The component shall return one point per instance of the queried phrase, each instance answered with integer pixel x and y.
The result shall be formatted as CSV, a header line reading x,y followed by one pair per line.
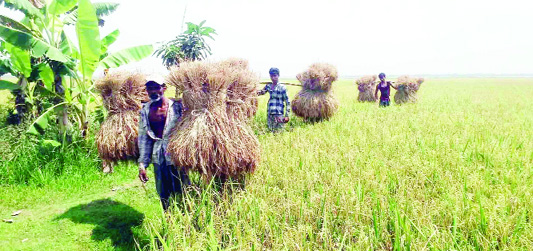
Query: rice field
x,y
452,172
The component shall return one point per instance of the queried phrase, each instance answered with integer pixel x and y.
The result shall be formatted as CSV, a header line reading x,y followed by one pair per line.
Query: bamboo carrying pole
x,y
266,83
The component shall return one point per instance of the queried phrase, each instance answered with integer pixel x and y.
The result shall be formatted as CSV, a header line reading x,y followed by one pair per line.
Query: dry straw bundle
x,y
117,138
319,76
242,92
407,89
122,94
122,91
238,63
206,140
366,86
315,100
314,104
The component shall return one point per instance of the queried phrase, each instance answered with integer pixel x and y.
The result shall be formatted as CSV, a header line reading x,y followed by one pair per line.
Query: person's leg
x,y
274,125
280,125
107,166
162,181
177,181
270,122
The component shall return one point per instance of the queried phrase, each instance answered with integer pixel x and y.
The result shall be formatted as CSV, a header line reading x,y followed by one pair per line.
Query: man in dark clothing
x,y
384,87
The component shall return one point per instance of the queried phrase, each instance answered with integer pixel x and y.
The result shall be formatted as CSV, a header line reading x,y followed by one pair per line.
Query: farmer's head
x,y
382,76
274,74
155,87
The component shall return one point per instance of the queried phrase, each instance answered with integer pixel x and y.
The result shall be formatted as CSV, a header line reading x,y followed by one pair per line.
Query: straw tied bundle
x,y
242,92
366,86
208,139
315,100
242,100
407,89
122,94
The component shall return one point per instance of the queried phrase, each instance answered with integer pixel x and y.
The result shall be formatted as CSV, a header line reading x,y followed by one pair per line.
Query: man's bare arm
x,y
393,86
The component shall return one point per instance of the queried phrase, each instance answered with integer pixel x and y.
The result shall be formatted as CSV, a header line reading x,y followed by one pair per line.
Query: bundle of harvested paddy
x,y
319,76
242,100
122,91
122,94
315,100
238,63
117,137
366,86
407,89
206,140
312,104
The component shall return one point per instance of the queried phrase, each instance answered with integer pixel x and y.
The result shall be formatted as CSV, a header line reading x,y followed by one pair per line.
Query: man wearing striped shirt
x,y
158,118
278,102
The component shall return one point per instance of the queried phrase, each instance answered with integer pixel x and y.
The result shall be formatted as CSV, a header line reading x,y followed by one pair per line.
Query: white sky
x,y
359,37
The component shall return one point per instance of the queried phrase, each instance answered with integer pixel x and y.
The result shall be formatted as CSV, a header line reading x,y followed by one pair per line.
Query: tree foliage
x,y
37,51
191,45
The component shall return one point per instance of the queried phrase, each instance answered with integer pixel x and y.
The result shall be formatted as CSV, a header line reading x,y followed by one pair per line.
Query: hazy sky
x,y
359,37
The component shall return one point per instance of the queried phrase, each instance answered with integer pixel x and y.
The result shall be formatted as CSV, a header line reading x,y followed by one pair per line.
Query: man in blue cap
x,y
278,102
158,117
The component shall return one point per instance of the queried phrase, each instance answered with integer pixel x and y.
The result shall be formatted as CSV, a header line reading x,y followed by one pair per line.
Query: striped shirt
x,y
278,100
152,148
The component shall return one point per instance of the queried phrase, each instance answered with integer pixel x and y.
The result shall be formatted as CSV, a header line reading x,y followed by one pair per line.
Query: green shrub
x,y
31,160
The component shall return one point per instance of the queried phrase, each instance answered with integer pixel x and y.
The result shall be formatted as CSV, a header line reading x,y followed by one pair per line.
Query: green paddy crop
x,y
451,172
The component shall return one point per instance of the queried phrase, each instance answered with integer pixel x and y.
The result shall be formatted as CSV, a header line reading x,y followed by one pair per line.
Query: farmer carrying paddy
x,y
158,117
384,87
279,101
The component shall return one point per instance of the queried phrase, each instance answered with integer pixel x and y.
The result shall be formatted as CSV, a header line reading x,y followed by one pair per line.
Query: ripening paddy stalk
x,y
453,171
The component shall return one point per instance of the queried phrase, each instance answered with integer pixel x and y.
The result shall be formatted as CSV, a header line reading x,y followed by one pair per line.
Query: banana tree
x,y
20,68
102,9
41,33
38,34
92,54
18,63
